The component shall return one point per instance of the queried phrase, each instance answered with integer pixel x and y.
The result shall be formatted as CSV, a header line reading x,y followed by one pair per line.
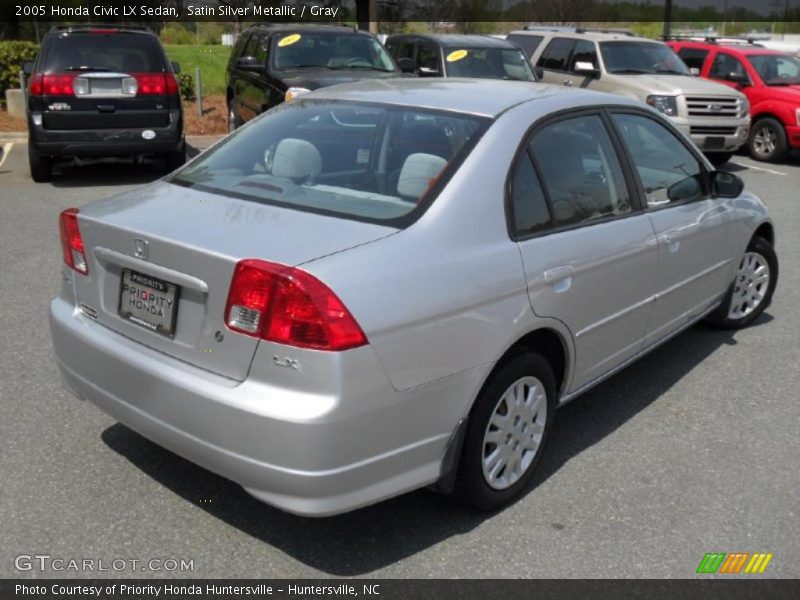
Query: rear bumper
x,y
312,453
106,142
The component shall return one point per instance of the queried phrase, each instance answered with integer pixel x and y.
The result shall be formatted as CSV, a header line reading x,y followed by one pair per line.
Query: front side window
x,y
693,57
633,58
556,54
361,161
309,50
489,63
584,52
727,68
669,172
428,60
580,171
777,69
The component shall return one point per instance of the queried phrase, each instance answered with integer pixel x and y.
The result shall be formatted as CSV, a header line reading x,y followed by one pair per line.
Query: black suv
x,y
454,55
273,63
97,91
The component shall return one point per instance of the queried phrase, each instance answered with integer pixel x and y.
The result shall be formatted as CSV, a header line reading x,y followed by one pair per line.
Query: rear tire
x,y
175,160
752,288
767,141
233,122
41,166
507,432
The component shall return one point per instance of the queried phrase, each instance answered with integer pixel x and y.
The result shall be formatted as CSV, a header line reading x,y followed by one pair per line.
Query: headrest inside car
x,y
296,160
417,173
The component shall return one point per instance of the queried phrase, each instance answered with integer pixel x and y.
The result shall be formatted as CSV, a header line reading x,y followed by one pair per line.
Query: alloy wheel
x,y
764,141
514,433
750,286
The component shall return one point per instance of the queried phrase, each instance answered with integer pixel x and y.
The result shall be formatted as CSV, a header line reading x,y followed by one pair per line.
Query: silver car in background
x,y
394,284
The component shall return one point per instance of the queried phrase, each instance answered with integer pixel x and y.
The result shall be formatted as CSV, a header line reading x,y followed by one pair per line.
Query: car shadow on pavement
x,y
377,536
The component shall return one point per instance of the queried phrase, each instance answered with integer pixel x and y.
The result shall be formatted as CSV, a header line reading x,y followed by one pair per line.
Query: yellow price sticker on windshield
x,y
456,55
289,40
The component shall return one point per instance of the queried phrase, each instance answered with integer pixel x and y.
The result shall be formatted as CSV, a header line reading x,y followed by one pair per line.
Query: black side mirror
x,y
685,189
249,63
726,185
27,68
406,65
176,67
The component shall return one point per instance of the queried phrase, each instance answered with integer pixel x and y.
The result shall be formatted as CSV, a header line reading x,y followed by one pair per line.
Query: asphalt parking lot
x,y
694,449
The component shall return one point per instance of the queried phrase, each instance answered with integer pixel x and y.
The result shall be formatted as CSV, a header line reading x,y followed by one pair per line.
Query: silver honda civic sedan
x,y
394,284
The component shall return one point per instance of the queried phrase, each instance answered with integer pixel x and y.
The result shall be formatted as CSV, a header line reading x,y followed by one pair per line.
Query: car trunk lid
x,y
178,248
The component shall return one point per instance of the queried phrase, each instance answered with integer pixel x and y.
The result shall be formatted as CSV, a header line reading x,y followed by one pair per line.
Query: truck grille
x,y
712,107
711,130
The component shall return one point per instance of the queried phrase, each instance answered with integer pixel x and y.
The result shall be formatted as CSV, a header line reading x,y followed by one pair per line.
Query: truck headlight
x,y
294,92
744,107
666,104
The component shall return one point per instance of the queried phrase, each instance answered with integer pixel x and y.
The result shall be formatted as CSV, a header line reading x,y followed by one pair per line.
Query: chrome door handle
x,y
568,83
553,276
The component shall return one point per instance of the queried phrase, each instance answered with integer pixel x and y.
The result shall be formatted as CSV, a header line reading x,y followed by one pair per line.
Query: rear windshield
x,y
488,63
330,51
116,52
641,57
367,162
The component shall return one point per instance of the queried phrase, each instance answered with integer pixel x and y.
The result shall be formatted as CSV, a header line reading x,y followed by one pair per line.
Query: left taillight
x,y
72,242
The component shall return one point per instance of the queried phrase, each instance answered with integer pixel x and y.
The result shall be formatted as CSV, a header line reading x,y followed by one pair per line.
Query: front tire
x,y
507,431
752,288
41,166
767,141
233,121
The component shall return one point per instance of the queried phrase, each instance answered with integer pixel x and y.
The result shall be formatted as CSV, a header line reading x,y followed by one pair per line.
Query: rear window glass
x,y
488,63
117,52
367,162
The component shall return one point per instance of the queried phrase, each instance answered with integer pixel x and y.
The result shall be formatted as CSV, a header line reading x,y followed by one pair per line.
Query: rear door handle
x,y
568,83
557,274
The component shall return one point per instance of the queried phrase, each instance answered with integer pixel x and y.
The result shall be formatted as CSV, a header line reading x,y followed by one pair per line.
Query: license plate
x,y
714,142
148,302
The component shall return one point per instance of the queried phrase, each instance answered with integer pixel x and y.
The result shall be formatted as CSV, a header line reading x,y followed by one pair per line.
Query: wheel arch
x,y
766,231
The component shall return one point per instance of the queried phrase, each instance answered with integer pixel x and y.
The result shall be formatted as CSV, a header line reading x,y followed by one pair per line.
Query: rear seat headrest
x,y
417,173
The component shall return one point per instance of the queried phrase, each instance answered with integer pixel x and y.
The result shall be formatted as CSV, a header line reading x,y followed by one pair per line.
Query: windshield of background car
x,y
777,69
641,57
488,63
362,161
117,52
309,50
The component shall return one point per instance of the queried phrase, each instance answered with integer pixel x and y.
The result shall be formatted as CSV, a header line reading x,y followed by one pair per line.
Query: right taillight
x,y
289,306
72,242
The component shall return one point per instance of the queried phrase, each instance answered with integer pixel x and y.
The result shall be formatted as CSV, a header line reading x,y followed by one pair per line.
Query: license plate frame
x,y
714,142
149,302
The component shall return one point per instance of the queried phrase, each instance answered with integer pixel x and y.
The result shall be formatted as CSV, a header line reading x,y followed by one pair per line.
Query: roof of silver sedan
x,y
486,97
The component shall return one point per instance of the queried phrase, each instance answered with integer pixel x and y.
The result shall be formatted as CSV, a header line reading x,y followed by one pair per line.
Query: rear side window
x,y
528,43
556,54
531,214
115,52
580,170
693,57
368,162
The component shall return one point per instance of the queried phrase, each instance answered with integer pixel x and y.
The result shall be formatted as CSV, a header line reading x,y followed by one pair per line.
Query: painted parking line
x,y
6,151
749,165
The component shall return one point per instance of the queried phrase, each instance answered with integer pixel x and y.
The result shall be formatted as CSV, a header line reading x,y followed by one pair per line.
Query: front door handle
x,y
568,83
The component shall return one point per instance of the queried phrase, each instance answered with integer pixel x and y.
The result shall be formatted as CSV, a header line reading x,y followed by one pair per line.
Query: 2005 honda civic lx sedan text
x,y
393,284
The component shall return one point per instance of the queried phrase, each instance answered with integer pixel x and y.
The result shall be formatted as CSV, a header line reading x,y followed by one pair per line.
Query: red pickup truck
x,y
771,81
